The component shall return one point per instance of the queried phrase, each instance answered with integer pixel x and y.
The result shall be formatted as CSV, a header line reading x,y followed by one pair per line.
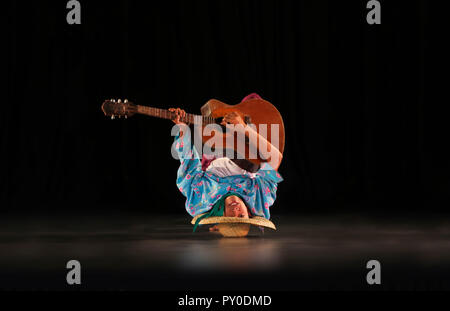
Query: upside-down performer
x,y
221,193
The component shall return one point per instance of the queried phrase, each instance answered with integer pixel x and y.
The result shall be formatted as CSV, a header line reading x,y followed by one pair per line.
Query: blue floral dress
x,y
203,189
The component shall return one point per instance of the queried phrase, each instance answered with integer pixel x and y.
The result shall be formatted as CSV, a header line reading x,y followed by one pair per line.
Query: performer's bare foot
x,y
214,228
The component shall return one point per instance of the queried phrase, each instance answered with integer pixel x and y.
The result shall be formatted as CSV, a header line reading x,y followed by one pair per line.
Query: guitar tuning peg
x,y
119,101
126,117
125,101
112,117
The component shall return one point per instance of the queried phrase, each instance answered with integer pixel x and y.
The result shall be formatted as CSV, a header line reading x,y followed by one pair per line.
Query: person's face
x,y
235,207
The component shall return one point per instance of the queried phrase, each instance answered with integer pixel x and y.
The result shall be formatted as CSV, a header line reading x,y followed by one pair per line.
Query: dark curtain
x,y
361,131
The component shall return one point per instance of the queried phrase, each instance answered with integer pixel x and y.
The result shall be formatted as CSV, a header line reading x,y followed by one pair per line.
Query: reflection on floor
x,y
149,252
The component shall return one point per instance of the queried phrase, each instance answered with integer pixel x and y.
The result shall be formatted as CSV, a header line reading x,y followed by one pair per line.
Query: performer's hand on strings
x,y
232,118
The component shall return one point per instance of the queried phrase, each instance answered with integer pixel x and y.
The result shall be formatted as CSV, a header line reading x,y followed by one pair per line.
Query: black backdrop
x,y
361,132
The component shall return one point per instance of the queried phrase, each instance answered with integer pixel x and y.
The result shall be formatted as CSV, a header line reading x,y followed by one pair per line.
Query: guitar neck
x,y
166,114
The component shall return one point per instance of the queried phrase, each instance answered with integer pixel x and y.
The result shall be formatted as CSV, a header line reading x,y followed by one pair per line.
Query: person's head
x,y
235,207
229,205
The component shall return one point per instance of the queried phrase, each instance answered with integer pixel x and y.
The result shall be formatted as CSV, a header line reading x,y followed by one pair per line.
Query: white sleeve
x,y
223,167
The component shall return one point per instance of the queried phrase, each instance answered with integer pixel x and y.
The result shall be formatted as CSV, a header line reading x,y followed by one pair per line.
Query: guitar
x,y
253,111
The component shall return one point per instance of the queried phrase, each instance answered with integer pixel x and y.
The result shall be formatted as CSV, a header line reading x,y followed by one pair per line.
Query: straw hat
x,y
234,226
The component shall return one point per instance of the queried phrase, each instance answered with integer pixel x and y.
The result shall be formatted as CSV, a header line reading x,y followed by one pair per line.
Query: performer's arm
x,y
182,142
275,155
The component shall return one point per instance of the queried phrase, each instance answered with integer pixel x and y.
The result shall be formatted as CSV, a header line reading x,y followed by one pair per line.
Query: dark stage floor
x,y
161,253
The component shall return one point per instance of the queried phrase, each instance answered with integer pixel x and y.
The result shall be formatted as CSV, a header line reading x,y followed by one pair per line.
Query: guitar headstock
x,y
119,108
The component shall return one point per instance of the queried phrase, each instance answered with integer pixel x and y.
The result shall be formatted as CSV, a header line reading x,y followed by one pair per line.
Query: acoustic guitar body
x,y
254,111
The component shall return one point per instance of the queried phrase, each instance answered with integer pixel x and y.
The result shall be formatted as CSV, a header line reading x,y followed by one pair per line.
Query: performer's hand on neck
x,y
179,113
